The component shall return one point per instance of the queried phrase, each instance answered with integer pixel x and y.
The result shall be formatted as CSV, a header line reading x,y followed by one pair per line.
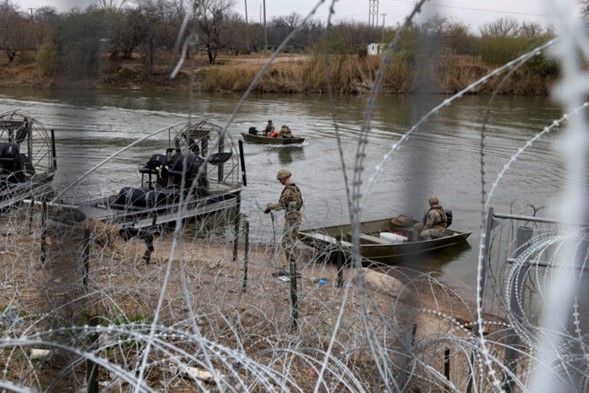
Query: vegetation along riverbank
x,y
136,48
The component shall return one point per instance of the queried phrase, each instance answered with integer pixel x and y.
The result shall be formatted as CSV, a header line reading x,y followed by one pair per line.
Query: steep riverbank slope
x,y
295,73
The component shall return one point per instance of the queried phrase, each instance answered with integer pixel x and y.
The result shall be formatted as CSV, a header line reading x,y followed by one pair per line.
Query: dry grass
x,y
206,320
294,74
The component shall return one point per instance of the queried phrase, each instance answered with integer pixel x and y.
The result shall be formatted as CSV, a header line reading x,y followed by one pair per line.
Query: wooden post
x,y
91,367
43,233
148,238
86,259
246,257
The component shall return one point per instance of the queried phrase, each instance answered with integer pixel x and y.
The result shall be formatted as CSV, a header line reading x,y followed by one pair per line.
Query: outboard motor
x,y
253,131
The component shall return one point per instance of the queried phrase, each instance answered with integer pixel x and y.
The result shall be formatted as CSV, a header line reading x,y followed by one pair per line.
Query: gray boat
x,y
380,241
265,140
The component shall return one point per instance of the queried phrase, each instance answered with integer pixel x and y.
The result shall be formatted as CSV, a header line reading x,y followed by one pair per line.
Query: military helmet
x,y
433,200
283,174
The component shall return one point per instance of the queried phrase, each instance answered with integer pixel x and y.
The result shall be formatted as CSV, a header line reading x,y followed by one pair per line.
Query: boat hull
x,y
271,141
329,240
135,220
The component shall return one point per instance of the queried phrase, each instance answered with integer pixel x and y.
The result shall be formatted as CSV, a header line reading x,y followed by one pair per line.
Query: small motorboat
x,y
266,140
27,159
380,241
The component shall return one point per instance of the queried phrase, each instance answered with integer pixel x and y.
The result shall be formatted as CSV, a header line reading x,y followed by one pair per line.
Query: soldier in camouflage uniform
x,y
291,201
434,221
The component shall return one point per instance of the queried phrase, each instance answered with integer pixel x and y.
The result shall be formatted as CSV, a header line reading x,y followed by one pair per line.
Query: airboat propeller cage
x,y
209,142
31,137
27,158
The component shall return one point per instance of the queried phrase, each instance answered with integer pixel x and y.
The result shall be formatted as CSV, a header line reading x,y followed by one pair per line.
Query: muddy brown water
x,y
442,157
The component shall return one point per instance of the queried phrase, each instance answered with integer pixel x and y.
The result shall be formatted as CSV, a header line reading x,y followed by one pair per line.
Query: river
x,y
442,157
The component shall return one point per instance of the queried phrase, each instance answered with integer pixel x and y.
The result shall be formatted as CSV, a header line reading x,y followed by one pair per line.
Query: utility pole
x,y
247,27
265,29
31,9
382,39
373,13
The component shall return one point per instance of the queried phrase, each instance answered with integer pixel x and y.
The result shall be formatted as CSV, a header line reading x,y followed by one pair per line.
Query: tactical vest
x,y
298,191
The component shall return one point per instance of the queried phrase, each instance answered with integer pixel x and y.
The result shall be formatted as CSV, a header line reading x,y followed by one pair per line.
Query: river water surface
x,y
442,157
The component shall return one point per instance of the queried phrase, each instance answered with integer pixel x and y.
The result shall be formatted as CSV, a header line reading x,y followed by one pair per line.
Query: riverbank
x,y
297,74
205,305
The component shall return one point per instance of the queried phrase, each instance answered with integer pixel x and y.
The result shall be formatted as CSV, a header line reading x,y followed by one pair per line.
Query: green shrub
x,y
47,58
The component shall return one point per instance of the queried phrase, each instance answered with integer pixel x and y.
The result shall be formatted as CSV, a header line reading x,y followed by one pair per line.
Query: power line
x,y
473,9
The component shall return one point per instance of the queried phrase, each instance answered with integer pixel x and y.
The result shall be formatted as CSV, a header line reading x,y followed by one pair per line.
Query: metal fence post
x,y
293,296
481,293
246,256
91,367
237,222
31,212
524,235
86,259
339,258
43,232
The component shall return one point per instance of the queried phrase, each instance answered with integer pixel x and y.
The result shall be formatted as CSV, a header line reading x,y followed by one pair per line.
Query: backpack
x,y
449,217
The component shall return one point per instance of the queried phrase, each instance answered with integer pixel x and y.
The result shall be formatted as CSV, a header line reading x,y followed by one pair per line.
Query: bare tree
x,y
503,27
13,32
533,30
109,4
211,18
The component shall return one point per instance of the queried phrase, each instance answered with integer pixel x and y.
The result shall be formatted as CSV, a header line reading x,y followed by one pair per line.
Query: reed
x,y
353,74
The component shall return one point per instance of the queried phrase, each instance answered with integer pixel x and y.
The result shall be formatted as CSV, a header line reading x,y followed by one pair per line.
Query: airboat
x,y
27,159
198,173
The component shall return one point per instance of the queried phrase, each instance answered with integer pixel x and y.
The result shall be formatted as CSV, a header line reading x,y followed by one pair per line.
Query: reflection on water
x,y
286,154
436,262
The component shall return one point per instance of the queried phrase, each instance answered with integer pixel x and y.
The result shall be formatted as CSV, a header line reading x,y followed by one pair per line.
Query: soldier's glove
x,y
268,210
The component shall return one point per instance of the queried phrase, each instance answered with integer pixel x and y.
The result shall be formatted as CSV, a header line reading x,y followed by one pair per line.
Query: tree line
x,y
74,42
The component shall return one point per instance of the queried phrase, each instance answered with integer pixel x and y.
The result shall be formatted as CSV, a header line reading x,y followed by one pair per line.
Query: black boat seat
x,y
177,168
153,167
156,161
9,152
219,158
13,165
138,198
129,197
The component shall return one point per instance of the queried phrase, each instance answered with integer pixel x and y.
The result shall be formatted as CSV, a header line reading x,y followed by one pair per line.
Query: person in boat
x,y
285,132
269,128
291,201
434,221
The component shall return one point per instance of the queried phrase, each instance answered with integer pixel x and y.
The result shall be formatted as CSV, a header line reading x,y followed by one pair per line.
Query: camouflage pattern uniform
x,y
434,223
285,132
291,201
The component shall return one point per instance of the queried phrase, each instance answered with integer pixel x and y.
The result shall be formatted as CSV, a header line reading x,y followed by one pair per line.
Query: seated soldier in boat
x,y
269,128
285,132
434,222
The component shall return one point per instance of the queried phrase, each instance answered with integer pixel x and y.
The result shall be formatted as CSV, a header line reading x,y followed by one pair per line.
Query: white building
x,y
376,49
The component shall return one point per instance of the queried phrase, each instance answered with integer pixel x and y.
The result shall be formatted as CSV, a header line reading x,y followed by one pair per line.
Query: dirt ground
x,y
194,282
129,74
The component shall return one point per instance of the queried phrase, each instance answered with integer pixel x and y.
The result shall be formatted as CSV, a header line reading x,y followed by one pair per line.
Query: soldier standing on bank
x,y
291,201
